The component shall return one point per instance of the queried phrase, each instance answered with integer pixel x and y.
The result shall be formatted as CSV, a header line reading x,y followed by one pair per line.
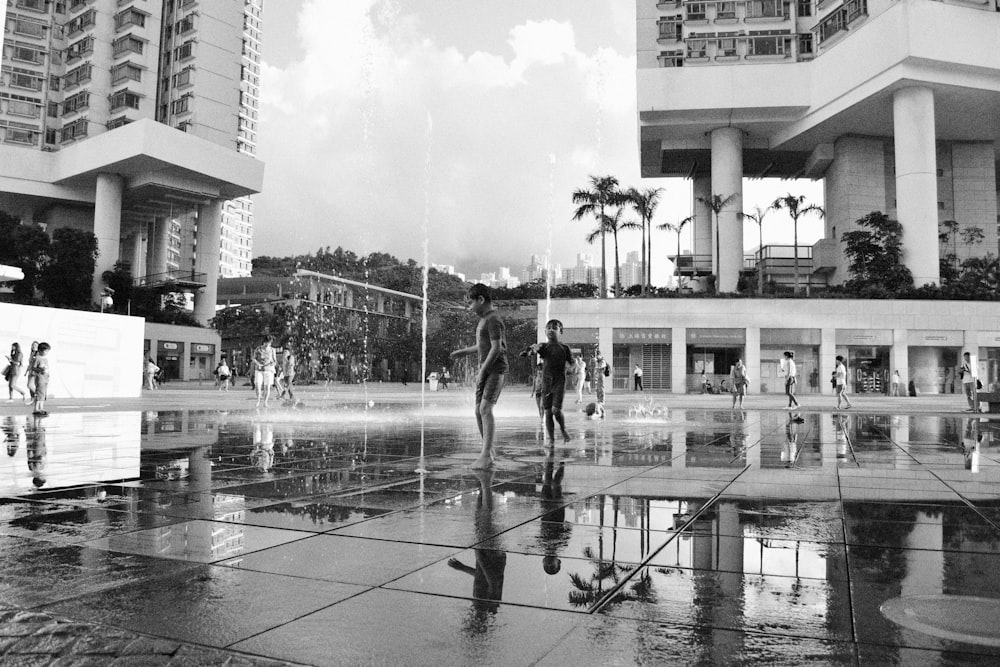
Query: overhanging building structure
x,y
893,103
136,120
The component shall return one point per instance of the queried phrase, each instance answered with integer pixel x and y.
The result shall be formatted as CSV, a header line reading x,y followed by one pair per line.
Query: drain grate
x,y
968,619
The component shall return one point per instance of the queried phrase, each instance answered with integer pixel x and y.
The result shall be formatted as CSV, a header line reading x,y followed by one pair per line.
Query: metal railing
x,y
175,276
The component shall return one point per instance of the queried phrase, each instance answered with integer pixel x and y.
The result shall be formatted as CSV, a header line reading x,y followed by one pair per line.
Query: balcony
x,y
176,280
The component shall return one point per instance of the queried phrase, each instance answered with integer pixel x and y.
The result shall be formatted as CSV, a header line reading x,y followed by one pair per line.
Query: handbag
x,y
6,372
979,384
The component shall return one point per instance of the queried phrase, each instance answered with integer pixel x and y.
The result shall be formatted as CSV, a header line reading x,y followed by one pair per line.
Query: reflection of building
x,y
368,310
136,121
854,93
674,340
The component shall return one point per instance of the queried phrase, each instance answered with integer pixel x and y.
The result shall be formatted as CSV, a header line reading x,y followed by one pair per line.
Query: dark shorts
x,y
489,388
553,394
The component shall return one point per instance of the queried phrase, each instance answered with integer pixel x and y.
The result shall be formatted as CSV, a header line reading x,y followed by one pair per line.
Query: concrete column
x,y
138,249
107,227
827,359
701,226
899,360
207,258
159,240
678,360
916,180
751,358
727,179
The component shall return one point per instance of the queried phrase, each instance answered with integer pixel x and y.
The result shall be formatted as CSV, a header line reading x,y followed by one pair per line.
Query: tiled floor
x,y
311,536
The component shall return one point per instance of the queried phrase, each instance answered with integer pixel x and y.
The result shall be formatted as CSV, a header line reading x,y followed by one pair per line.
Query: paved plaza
x,y
187,527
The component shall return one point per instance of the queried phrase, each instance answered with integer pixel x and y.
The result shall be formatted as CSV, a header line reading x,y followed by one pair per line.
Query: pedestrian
x,y
445,378
30,381
287,374
42,372
556,358
223,373
704,383
790,372
491,346
637,378
149,371
13,373
840,380
895,384
264,365
601,371
573,377
740,381
588,378
968,381
404,377
581,377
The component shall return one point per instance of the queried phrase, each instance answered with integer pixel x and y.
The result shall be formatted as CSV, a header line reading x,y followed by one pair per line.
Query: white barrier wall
x,y
93,355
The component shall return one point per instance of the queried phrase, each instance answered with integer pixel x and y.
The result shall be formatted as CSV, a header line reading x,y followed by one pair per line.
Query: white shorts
x,y
264,378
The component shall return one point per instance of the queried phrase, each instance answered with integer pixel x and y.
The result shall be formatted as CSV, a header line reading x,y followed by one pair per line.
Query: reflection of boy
x,y
555,358
491,559
554,533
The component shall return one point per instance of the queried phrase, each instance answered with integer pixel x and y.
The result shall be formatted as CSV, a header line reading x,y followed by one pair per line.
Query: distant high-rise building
x,y
631,270
584,271
539,268
448,269
137,120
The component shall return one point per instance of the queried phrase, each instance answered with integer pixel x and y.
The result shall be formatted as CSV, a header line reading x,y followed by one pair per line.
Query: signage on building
x,y
988,339
852,337
783,337
579,336
204,348
168,346
626,336
710,337
918,338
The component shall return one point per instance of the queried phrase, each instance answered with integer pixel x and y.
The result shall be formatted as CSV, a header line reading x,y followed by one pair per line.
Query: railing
x,y
175,276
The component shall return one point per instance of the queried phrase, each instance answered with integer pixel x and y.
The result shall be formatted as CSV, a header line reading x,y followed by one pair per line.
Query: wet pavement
x,y
343,532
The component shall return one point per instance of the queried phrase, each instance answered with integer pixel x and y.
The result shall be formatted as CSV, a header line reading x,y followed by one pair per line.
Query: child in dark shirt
x,y
555,357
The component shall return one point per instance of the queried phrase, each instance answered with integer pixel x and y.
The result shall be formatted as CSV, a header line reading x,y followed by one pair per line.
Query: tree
x,y
119,279
677,229
26,247
796,209
874,254
645,202
758,217
613,224
574,291
717,203
67,277
603,194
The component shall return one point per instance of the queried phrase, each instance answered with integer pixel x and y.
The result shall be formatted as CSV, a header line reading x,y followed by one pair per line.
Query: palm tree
x,y
717,203
677,230
613,224
603,193
795,208
758,217
645,202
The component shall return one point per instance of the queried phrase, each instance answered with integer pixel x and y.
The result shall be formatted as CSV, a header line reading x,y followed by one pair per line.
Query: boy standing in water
x,y
491,345
40,371
556,358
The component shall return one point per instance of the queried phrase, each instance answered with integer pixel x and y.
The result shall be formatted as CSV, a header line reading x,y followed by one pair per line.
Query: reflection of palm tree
x,y
607,575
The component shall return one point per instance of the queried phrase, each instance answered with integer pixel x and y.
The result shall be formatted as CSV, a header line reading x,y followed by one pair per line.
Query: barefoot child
x,y
40,371
557,358
491,345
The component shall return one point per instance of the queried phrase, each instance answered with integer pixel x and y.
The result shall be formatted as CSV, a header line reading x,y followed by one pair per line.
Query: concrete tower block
x,y
727,179
916,180
107,227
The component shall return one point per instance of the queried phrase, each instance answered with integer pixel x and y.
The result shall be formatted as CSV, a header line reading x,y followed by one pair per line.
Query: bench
x,y
991,399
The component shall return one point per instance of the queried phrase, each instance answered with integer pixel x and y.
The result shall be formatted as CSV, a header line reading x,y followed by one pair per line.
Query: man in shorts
x,y
264,363
491,346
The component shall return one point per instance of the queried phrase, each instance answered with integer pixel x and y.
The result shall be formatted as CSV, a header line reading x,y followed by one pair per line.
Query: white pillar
x,y
107,227
701,226
727,179
138,249
158,246
916,180
751,358
207,258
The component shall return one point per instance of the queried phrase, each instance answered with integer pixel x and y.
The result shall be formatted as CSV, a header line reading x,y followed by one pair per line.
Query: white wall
x,y
93,355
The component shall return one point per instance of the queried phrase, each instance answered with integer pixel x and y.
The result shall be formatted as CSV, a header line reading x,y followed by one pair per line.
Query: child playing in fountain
x,y
40,371
556,358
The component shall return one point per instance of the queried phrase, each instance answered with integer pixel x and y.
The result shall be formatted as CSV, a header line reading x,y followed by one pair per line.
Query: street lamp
x,y
106,300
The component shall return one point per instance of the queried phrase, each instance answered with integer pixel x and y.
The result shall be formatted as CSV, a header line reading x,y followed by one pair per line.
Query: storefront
x,y
989,361
168,358
712,352
867,353
933,358
649,349
805,343
201,364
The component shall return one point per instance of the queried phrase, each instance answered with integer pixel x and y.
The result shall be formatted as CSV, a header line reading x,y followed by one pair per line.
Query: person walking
x,y
790,372
491,346
149,370
582,375
264,364
895,384
968,381
740,381
287,374
637,378
223,373
840,380
13,373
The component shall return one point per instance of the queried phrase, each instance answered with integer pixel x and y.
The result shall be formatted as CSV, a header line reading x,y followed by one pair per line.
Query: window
x,y
23,107
118,122
129,17
29,28
27,54
124,72
183,78
20,78
182,105
76,4
37,5
185,50
80,22
764,9
75,103
75,130
670,29
697,48
127,44
77,75
725,10
831,25
804,8
54,82
51,136
79,49
186,24
20,134
695,11
766,44
52,110
806,44
124,98
725,47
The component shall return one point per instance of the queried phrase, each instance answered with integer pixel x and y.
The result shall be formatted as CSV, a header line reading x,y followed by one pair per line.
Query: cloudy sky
x,y
473,120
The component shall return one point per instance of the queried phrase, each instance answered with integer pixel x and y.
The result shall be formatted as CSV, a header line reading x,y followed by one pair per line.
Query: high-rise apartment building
x,y
891,102
136,119
630,271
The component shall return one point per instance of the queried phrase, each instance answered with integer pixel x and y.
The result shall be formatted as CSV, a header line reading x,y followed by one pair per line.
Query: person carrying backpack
x,y
740,382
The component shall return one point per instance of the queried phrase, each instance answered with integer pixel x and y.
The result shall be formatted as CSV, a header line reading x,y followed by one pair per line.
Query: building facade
x,y
892,103
137,121
675,340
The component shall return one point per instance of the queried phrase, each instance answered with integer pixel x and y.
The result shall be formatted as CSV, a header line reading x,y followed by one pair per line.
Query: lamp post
x,y
106,300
